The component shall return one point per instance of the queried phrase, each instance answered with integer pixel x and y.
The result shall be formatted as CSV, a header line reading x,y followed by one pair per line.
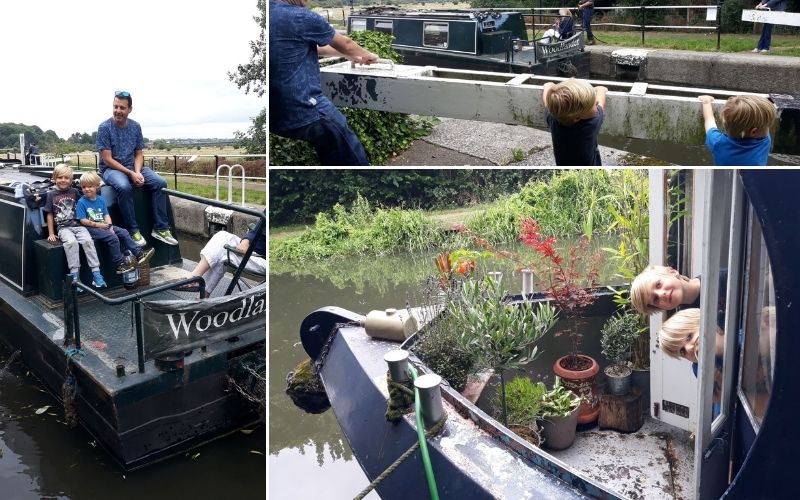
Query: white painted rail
x,y
768,16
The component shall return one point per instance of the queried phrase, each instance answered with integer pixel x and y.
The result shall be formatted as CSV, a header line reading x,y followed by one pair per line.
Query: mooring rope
x,y
401,397
10,360
69,390
383,475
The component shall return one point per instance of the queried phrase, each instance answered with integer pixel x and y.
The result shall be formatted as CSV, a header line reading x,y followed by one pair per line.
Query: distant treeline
x,y
297,196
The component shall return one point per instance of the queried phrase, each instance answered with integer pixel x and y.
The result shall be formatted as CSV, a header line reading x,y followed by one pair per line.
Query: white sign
x,y
711,14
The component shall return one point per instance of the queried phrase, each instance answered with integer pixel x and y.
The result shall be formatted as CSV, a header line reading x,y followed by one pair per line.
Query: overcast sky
x,y
63,60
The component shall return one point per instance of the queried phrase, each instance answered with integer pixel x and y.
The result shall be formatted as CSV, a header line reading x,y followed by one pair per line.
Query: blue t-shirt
x,y
94,210
295,91
576,145
727,151
122,141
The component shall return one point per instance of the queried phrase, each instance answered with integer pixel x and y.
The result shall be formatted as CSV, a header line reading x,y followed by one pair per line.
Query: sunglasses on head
x,y
121,93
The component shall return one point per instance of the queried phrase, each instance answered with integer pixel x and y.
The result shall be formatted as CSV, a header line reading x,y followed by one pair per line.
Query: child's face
x,y
690,347
63,182
90,191
666,291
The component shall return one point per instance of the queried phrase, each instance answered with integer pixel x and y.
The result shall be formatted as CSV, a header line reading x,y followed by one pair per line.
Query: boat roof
x,y
388,11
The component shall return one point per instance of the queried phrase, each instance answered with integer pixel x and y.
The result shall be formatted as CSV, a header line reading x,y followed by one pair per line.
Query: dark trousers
x,y
766,37
586,22
332,138
117,242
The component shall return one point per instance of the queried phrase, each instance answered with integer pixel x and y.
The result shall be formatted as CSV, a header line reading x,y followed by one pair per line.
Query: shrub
x,y
439,349
523,401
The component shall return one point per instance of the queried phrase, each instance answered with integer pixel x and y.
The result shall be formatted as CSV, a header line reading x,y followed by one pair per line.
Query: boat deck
x,y
654,462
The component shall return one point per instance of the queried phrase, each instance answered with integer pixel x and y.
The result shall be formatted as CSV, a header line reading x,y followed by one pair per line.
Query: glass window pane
x,y
759,334
435,35
384,26
358,24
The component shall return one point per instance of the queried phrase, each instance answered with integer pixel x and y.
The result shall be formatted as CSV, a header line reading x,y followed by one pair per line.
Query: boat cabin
x,y
484,40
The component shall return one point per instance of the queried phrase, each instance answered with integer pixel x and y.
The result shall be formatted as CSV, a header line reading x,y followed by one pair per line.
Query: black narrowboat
x,y
150,371
474,40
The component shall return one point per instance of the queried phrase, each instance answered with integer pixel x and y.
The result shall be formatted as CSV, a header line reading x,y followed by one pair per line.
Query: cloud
x,y
64,62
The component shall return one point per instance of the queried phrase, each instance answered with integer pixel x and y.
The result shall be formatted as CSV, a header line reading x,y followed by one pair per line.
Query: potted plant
x,y
570,282
524,407
560,408
500,334
619,335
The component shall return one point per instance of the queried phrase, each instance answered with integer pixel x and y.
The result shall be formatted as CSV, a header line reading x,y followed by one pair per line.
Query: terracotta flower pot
x,y
581,383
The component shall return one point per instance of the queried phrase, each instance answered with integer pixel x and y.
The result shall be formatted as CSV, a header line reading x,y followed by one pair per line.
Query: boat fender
x,y
391,324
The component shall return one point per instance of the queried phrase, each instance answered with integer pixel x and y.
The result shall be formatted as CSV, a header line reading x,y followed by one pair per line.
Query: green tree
x,y
252,76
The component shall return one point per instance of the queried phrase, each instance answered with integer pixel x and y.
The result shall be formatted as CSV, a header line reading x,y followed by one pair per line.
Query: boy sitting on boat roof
x,y
93,213
60,209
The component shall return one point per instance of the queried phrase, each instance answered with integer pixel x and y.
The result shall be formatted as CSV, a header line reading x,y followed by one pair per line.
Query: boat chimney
x,y
527,281
430,398
397,360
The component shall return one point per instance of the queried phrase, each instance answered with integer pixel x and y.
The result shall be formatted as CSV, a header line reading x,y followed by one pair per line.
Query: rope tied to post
x,y
401,397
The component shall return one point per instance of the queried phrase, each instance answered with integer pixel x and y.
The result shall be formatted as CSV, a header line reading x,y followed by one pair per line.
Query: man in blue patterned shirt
x,y
120,143
297,107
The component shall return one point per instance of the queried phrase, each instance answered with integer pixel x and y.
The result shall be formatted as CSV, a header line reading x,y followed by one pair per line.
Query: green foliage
x,y
523,401
558,401
565,204
299,195
619,335
359,231
254,141
439,349
501,335
252,76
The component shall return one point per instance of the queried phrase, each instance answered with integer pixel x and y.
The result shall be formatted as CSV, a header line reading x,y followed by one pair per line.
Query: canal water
x,y
40,457
308,454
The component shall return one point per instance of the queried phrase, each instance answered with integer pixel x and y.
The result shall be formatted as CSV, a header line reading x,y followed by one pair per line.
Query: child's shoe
x,y
164,235
97,280
146,254
138,239
125,267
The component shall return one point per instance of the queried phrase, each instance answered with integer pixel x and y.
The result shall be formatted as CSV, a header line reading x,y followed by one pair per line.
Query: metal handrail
x,y
231,169
72,317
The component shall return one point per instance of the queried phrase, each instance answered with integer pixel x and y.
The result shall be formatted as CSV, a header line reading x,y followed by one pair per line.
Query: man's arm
x,y
342,46
708,112
586,4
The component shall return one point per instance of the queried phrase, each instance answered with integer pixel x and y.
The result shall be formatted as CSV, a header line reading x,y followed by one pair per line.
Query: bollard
x,y
430,398
527,281
397,360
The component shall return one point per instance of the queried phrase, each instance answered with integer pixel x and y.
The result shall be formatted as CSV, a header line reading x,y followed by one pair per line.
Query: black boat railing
x,y
72,316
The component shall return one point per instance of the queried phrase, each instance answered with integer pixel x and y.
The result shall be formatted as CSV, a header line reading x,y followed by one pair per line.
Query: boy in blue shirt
x,y
93,214
746,120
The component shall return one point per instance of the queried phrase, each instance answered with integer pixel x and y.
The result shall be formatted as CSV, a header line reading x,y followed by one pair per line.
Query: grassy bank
x,y
783,45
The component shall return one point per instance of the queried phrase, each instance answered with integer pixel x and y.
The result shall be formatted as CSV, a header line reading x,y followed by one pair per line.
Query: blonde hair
x,y
570,99
675,331
564,12
90,179
743,113
61,170
642,287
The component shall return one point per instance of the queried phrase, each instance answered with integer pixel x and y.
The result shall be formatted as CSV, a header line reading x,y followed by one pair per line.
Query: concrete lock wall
x,y
190,218
741,72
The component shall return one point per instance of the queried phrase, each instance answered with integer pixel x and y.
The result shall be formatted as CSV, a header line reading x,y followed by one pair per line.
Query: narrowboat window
x,y
760,329
384,26
358,24
435,35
